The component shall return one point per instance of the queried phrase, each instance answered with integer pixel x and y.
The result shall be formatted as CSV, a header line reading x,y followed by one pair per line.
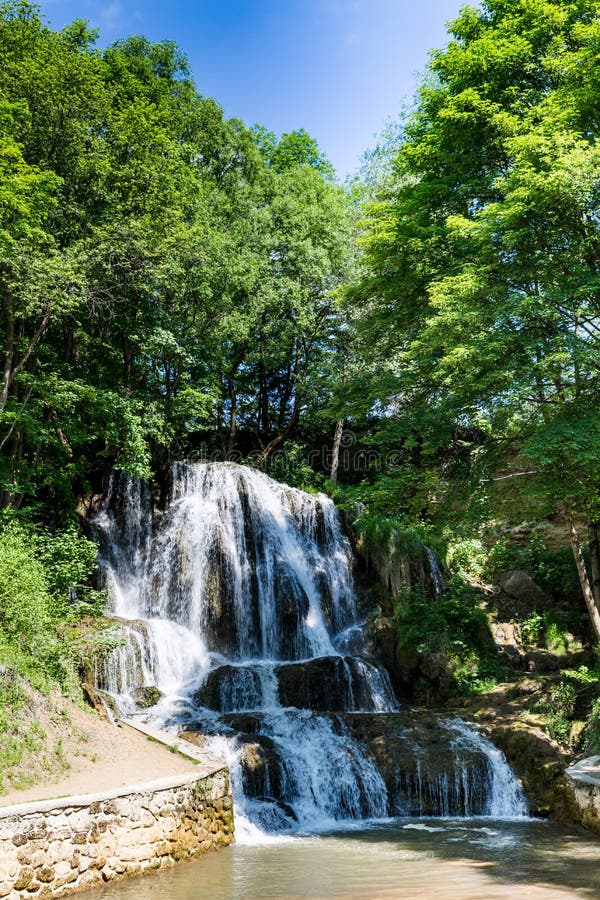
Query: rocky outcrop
x,y
324,684
426,772
330,683
517,596
390,561
582,792
426,767
146,697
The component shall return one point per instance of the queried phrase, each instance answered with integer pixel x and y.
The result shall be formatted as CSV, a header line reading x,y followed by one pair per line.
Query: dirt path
x,y
101,757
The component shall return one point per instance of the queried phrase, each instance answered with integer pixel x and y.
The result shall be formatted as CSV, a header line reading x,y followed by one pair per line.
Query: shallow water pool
x,y
474,859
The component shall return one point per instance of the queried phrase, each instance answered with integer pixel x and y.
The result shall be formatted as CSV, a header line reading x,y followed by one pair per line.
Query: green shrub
x,y
555,638
44,585
455,631
532,629
559,728
547,630
467,558
25,598
561,709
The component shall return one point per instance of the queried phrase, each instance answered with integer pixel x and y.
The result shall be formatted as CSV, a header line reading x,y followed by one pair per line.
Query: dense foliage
x,y
168,276
44,590
478,310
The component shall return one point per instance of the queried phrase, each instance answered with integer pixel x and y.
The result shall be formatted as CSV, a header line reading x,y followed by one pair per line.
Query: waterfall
x,y
435,573
236,602
504,797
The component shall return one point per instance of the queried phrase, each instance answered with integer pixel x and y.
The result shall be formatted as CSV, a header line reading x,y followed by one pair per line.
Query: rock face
x,y
332,683
519,595
425,772
261,768
325,684
582,792
57,847
390,563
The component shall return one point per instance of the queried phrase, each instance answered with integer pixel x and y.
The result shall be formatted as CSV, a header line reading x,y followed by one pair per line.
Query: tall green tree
x,y
168,276
481,292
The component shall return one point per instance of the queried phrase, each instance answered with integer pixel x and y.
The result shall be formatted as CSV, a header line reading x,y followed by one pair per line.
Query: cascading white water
x,y
237,603
435,572
504,795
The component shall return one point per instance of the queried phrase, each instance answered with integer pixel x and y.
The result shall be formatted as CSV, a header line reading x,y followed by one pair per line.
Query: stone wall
x,y
55,847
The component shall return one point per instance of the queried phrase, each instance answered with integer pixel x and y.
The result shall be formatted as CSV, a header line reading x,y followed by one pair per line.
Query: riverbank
x,y
102,756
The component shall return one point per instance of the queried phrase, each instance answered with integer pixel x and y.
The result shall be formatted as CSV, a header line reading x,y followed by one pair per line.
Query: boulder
x,y
146,697
261,768
104,703
519,595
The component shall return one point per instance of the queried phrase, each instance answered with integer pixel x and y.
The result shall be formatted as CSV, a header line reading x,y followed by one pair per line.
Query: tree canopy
x,y
479,304
168,276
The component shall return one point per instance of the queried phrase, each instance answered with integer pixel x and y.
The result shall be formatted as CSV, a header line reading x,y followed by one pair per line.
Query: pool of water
x,y
475,859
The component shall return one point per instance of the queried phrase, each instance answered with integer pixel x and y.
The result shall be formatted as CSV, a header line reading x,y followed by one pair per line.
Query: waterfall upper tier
x,y
258,569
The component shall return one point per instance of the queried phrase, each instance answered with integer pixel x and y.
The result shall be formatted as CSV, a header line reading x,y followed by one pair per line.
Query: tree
x,y
481,283
168,276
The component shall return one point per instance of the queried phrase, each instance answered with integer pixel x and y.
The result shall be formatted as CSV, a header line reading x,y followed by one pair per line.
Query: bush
x,y
454,631
44,585
532,629
25,599
467,558
548,630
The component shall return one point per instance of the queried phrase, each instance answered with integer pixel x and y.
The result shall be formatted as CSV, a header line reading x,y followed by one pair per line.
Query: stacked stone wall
x,y
56,847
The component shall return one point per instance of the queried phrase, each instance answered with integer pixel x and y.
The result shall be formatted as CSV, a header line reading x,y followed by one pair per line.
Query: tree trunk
x,y
264,423
8,352
335,456
10,366
278,439
295,415
231,439
584,580
594,542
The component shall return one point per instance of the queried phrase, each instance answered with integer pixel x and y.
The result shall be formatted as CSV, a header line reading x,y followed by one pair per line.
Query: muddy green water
x,y
449,860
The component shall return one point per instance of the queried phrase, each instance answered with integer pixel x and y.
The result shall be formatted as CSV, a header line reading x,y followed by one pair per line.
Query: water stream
x,y
237,602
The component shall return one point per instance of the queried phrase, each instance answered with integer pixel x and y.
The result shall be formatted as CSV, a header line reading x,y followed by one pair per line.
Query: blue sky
x,y
339,68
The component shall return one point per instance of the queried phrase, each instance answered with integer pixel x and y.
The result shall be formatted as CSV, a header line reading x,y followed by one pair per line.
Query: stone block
x,y
24,878
45,874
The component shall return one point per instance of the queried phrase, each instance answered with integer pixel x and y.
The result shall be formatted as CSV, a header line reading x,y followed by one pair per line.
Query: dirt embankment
x,y
57,749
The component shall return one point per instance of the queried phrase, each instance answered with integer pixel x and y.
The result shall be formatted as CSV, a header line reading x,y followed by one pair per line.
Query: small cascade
x,y
151,652
236,603
504,797
435,572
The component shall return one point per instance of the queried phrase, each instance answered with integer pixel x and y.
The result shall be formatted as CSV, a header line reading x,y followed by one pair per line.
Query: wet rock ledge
x,y
52,848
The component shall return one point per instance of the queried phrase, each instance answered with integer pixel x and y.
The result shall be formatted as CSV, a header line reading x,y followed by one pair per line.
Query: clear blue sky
x,y
339,68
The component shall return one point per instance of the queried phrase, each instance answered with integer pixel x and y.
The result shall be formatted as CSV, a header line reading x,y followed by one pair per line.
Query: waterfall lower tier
x,y
236,621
